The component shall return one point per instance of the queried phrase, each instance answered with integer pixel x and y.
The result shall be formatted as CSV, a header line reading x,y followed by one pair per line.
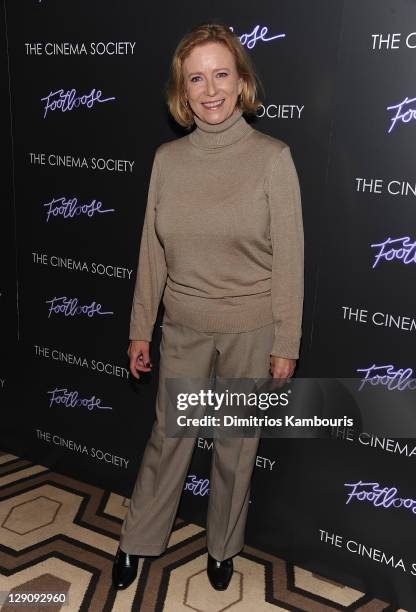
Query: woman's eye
x,y
198,77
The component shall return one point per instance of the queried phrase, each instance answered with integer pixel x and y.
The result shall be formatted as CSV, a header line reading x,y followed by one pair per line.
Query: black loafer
x,y
124,569
219,572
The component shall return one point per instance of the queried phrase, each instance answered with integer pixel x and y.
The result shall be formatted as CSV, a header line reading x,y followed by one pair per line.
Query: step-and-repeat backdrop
x,y
86,113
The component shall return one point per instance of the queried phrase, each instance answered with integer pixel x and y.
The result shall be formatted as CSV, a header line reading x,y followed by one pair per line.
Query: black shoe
x,y
219,572
124,569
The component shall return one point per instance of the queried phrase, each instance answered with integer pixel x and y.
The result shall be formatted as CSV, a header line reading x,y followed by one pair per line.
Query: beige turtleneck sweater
x,y
222,238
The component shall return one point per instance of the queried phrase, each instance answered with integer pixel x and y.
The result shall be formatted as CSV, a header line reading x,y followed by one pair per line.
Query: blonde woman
x,y
223,243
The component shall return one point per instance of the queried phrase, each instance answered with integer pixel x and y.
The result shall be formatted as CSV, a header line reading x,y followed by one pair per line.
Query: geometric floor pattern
x,y
59,535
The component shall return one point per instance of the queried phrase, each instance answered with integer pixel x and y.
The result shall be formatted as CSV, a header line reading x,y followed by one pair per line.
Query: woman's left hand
x,y
281,367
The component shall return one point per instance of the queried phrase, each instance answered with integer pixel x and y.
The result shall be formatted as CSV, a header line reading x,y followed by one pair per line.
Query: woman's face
x,y
210,76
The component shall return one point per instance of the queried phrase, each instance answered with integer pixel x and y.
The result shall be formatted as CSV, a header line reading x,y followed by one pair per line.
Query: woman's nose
x,y
211,87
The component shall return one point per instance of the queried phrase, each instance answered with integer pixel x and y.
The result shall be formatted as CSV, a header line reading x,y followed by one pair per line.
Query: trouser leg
x,y
241,355
156,495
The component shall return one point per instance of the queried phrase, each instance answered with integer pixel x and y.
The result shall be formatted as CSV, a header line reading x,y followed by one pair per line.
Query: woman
x,y
223,242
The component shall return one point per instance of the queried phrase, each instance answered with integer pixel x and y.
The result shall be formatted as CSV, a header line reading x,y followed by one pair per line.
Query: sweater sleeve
x,y
151,268
286,233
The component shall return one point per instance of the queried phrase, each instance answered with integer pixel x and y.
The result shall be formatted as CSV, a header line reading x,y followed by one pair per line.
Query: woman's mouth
x,y
213,105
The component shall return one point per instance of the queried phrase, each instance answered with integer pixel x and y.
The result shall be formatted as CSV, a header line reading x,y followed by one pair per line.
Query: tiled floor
x,y
58,534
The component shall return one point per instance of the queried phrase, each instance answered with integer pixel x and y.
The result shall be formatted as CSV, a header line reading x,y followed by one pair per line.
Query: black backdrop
x,y
74,194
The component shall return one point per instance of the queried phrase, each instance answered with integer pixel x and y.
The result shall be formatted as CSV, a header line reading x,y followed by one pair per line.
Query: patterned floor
x,y
58,534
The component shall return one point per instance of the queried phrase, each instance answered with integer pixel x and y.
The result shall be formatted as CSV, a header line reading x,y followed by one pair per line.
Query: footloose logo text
x,y
69,307
386,375
71,399
385,497
250,39
68,100
69,208
404,113
198,486
404,250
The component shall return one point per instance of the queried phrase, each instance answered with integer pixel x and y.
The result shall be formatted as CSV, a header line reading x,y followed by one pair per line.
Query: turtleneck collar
x,y
211,136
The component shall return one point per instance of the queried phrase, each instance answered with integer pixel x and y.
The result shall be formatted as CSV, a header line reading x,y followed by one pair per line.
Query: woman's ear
x,y
240,85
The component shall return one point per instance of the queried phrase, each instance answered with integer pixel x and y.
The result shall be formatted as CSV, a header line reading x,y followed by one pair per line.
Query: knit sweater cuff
x,y
285,347
140,332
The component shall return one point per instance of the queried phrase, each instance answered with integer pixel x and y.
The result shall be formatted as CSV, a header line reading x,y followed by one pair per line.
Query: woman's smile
x,y
213,105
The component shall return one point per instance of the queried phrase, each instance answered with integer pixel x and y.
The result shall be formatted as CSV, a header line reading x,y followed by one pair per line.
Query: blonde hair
x,y
175,87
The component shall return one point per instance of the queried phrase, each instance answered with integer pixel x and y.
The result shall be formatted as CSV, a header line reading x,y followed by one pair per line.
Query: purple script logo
x,y
250,39
384,498
198,487
69,307
71,399
68,208
388,376
67,100
403,114
406,251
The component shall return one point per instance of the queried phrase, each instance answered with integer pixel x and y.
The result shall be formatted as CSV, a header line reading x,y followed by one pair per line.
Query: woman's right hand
x,y
138,352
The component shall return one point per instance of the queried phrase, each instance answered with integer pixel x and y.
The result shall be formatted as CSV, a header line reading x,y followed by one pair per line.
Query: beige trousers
x,y
185,352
